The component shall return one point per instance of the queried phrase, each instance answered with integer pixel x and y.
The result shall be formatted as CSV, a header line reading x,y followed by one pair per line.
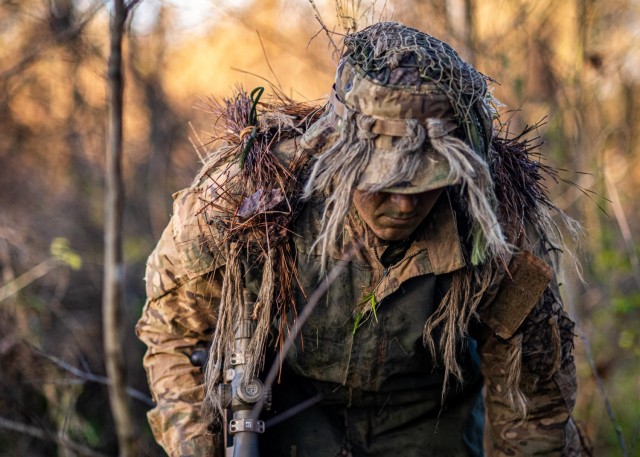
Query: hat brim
x,y
434,173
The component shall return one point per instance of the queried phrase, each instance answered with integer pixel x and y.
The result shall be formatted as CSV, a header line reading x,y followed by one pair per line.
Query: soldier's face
x,y
392,216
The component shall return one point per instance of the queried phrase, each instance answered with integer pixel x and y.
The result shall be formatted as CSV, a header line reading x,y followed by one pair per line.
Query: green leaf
x,y
626,340
370,300
356,324
61,251
374,305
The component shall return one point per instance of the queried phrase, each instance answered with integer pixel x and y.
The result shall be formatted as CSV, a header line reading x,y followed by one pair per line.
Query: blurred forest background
x,y
573,63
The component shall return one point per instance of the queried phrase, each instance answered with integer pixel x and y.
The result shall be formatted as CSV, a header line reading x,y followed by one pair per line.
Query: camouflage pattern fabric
x,y
542,341
184,277
178,319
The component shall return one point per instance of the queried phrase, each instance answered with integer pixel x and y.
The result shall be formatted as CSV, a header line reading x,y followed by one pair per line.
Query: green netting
x,y
383,47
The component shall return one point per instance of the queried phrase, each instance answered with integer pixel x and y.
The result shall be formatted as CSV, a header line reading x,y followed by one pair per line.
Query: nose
x,y
405,203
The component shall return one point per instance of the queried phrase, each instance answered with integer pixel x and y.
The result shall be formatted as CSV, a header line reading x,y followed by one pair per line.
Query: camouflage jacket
x,y
184,280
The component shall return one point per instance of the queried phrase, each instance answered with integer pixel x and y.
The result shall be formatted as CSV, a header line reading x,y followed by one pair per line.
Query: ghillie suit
x,y
251,213
405,115
489,169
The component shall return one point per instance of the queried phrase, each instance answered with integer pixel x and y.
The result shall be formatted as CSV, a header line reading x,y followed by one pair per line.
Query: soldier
x,y
433,239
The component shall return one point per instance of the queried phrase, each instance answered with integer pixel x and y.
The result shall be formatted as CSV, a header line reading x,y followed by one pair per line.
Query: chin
x,y
393,234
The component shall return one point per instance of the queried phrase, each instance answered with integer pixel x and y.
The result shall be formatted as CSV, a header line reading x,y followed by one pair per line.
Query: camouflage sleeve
x,y
528,366
177,319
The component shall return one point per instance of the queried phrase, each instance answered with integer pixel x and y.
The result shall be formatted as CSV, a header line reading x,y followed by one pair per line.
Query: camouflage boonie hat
x,y
400,89
390,106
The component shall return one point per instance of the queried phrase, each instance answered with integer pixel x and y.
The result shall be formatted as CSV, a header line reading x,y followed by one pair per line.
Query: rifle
x,y
238,396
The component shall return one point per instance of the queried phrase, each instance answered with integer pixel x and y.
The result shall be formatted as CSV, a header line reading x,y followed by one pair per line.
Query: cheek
x,y
369,206
370,216
425,207
428,201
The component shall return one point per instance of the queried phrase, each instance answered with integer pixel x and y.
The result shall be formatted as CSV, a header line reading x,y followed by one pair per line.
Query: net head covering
x,y
407,115
397,92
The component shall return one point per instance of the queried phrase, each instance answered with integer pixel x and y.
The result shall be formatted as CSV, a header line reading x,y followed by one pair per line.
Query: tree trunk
x,y
112,311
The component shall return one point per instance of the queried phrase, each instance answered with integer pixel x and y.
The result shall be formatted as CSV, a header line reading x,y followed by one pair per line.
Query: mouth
x,y
401,219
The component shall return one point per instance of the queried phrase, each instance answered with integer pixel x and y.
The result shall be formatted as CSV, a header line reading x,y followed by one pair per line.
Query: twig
x,y
199,146
91,377
625,229
16,285
603,394
266,58
336,51
48,436
132,4
300,321
293,411
634,438
68,34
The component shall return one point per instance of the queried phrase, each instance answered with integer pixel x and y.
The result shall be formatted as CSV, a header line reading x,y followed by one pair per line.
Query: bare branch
x,y
16,285
607,404
317,15
625,228
48,436
132,4
91,377
266,58
66,35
